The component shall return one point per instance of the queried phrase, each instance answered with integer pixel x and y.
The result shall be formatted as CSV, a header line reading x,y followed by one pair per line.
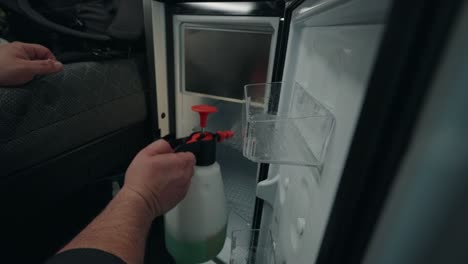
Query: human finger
x,y
38,67
190,172
186,159
37,52
158,147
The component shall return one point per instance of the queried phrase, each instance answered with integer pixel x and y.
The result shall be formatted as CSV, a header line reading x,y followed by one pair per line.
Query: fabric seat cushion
x,y
59,112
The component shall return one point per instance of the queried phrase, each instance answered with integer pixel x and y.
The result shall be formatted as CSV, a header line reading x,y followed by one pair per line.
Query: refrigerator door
x,y
331,49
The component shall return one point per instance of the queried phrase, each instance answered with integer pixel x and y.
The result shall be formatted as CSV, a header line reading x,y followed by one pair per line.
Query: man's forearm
x,y
121,229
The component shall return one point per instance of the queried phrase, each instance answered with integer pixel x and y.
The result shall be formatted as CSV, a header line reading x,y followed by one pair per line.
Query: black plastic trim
x,y
409,53
171,93
152,102
282,44
258,209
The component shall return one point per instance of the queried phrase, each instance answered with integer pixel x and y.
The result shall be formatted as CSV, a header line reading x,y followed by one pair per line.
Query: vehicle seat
x,y
61,137
62,111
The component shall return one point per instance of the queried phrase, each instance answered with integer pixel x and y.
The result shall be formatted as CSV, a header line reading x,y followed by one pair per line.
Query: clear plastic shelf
x,y
249,247
285,125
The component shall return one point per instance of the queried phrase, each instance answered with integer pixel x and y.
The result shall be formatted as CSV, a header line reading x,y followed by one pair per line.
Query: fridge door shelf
x,y
284,124
252,246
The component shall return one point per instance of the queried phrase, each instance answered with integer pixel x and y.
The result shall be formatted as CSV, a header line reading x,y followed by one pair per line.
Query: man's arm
x,y
120,229
156,181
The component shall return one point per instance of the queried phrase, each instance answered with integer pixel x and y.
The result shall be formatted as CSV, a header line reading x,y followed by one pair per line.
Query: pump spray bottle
x,y
195,229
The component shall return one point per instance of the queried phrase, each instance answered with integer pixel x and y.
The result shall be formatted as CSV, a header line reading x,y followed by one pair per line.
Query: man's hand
x,y
156,180
20,62
160,176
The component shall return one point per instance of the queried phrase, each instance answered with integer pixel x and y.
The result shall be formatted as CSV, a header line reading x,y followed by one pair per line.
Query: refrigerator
x,y
341,83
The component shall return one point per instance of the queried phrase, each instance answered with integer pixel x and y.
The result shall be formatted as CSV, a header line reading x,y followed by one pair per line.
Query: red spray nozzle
x,y
222,135
204,111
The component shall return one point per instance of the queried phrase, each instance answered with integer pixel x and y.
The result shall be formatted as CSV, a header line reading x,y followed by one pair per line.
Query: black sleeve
x,y
85,255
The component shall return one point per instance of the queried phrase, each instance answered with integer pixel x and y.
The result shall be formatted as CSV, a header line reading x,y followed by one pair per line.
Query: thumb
x,y
42,66
158,147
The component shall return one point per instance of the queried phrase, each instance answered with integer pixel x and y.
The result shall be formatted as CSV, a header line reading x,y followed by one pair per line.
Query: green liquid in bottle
x,y
189,252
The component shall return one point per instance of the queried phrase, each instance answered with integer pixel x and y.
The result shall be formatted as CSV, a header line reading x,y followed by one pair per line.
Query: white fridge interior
x,y
331,49
214,56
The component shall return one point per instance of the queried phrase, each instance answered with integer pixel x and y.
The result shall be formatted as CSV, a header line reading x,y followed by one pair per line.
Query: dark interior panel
x,y
50,203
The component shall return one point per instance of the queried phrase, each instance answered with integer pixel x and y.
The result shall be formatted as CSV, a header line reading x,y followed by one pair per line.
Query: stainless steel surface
x,y
239,177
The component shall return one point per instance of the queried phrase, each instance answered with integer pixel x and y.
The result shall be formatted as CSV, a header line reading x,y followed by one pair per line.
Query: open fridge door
x,y
331,49
369,65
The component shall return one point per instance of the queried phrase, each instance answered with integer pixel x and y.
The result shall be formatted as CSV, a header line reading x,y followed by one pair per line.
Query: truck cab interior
x,y
65,138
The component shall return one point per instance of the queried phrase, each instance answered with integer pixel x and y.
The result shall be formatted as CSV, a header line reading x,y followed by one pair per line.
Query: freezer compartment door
x,y
214,57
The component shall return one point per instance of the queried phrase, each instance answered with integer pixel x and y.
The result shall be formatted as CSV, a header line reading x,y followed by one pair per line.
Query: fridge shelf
x,y
285,124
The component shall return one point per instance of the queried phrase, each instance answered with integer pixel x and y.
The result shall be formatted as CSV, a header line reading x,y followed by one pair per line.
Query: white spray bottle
x,y
195,230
